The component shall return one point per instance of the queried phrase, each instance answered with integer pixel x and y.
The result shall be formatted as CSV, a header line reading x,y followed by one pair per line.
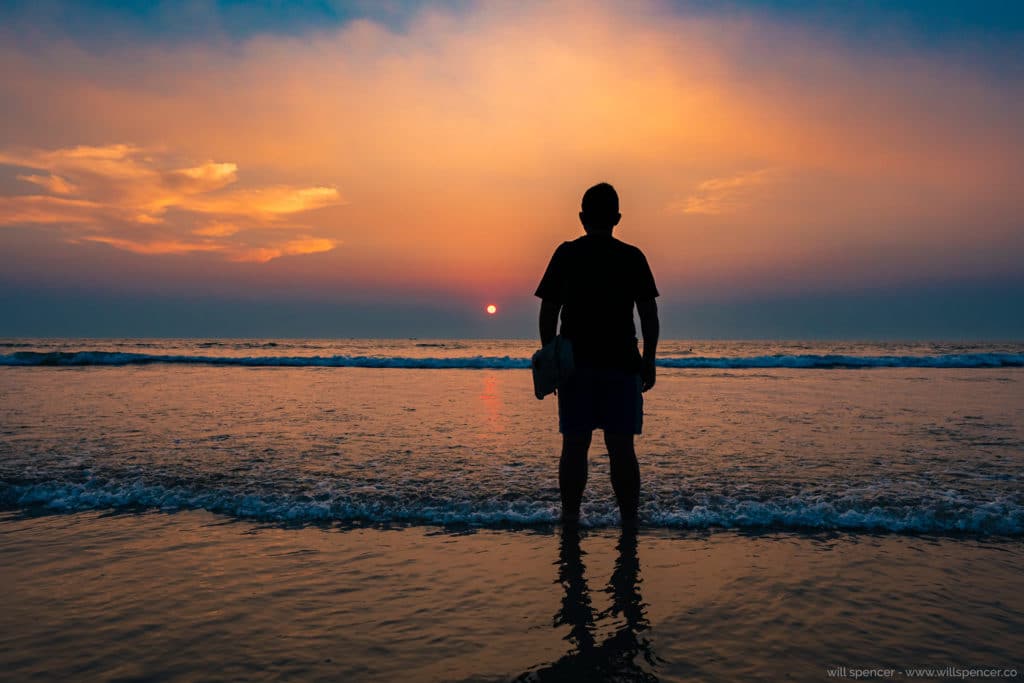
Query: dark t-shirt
x,y
597,279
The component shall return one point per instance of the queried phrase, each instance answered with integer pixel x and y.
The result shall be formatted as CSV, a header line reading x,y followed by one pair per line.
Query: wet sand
x,y
195,596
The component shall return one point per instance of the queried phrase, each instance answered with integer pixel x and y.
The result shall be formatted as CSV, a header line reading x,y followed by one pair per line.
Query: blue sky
x,y
989,25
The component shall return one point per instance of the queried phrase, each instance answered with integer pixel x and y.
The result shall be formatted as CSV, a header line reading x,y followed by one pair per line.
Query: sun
x,y
491,309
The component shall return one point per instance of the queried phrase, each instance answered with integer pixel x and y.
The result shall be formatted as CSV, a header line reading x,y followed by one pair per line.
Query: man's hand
x,y
650,326
648,375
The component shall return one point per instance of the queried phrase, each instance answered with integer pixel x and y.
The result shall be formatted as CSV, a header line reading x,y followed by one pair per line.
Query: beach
x,y
218,510
195,596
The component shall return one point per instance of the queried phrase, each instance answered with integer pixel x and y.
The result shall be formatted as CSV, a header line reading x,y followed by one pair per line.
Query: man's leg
x,y
572,473
625,471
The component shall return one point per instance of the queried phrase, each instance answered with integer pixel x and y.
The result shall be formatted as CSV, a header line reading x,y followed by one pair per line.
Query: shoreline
x,y
554,526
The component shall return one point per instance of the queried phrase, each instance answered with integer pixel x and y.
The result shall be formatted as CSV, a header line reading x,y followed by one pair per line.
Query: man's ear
x,y
618,217
583,222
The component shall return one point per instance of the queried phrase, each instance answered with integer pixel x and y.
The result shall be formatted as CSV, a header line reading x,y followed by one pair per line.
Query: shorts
x,y
600,398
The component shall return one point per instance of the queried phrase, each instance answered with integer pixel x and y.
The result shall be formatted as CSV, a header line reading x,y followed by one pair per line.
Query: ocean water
x,y
901,438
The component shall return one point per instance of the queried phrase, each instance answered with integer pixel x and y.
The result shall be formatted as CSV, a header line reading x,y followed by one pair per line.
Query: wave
x,y
803,361
829,362
1002,517
79,358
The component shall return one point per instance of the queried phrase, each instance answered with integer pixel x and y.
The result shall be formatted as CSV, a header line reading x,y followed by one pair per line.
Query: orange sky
x,y
451,155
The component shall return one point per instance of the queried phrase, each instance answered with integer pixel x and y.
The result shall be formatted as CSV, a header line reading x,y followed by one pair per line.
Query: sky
x,y
791,169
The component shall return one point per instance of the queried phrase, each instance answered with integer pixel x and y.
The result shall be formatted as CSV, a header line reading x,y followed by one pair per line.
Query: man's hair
x,y
600,204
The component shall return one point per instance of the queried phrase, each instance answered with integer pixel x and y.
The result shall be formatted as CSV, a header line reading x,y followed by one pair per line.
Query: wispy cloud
x,y
724,195
138,200
154,246
45,209
294,247
51,183
216,230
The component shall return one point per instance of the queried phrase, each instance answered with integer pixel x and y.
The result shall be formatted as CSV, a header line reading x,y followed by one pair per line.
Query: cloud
x,y
133,198
216,229
211,171
268,203
724,195
155,247
45,209
51,183
304,245
204,178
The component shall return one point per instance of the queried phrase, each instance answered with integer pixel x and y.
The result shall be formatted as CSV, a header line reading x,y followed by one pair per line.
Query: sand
x,y
195,596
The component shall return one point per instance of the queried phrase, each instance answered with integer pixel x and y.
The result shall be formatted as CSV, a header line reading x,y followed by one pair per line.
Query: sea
x,y
896,437
388,509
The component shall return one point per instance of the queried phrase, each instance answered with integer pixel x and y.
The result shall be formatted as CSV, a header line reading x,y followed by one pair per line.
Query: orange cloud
x,y
305,245
124,187
51,183
268,203
723,195
155,247
216,230
211,171
45,209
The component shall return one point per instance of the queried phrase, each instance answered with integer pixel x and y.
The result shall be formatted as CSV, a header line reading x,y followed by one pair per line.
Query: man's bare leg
x,y
572,474
625,473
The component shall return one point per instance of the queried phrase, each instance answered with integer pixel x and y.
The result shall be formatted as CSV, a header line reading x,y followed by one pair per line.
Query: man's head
x,y
600,209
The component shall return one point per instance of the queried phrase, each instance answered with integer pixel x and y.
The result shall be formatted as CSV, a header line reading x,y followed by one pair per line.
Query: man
x,y
595,281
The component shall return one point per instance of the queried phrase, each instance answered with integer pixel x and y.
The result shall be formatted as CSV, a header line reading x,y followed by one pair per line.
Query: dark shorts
x,y
600,398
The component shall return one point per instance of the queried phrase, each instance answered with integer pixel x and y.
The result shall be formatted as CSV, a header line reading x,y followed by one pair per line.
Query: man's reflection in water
x,y
616,657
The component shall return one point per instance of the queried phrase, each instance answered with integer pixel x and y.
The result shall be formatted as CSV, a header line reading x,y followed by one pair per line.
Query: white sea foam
x,y
936,516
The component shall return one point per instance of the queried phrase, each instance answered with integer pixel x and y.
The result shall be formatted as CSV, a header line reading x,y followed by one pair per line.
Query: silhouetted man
x,y
595,281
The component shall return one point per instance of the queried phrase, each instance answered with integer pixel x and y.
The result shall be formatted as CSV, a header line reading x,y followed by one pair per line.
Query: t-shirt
x,y
597,279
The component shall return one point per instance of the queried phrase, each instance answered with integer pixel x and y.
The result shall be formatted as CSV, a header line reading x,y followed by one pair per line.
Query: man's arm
x,y
650,328
548,320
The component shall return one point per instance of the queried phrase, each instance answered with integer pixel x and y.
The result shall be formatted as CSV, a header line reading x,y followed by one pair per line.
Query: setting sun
x,y
491,309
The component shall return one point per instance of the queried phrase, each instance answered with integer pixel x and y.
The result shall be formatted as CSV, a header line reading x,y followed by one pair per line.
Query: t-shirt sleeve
x,y
552,285
643,286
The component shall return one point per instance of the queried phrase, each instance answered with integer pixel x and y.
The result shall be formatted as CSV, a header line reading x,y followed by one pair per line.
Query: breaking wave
x,y
1002,516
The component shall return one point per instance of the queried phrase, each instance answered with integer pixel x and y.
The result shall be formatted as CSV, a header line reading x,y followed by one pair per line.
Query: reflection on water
x,y
626,654
187,596
493,407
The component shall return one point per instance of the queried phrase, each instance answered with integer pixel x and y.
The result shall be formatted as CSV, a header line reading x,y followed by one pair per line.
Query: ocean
x,y
879,482
891,437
